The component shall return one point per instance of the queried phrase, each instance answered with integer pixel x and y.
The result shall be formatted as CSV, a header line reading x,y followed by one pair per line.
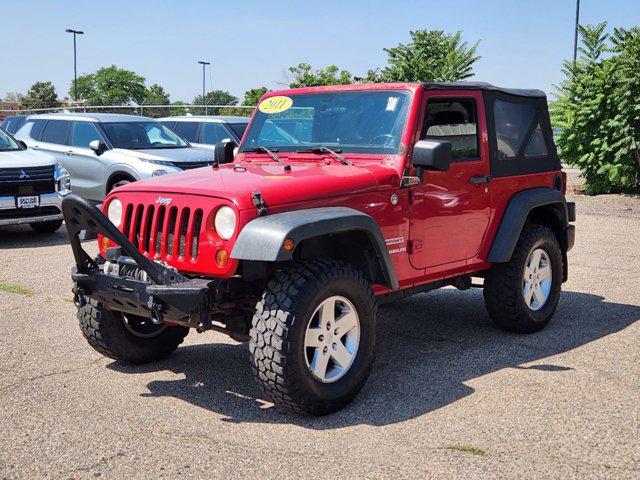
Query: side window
x,y
512,124
36,129
453,120
187,130
56,131
83,134
214,133
536,146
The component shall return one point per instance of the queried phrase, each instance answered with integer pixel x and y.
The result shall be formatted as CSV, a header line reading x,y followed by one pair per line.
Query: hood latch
x,y
260,204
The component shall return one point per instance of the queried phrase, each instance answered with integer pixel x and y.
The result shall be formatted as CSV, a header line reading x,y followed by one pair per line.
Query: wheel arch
x,y
340,233
544,206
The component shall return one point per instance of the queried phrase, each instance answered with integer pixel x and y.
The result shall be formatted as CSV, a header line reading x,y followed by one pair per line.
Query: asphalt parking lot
x,y
450,395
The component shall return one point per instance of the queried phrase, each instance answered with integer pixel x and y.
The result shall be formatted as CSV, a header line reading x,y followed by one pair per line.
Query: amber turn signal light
x,y
288,245
222,257
104,243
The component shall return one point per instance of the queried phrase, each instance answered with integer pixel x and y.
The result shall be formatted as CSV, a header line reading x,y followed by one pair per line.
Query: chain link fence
x,y
154,111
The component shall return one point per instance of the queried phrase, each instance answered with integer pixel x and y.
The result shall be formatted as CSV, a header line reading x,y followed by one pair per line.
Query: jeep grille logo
x,y
23,174
163,201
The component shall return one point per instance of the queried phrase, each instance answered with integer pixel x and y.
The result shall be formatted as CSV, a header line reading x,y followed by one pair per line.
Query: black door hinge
x,y
260,204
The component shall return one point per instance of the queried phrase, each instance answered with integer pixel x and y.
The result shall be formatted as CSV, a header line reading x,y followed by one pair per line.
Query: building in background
x,y
6,107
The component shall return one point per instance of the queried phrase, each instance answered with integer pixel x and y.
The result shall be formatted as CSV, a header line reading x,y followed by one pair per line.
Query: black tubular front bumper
x,y
166,296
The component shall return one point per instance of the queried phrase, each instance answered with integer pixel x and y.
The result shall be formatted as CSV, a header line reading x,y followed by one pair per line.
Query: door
x,y
450,210
87,170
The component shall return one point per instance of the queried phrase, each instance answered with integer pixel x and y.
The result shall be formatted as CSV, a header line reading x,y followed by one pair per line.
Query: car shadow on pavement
x,y
428,347
21,236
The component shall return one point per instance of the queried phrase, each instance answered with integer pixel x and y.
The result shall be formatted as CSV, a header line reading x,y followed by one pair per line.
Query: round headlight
x,y
225,222
114,212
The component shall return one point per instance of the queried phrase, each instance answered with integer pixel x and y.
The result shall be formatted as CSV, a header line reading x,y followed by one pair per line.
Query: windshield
x,y
7,144
142,135
355,122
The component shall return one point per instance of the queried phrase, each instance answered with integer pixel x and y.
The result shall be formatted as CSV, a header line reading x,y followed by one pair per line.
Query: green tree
x,y
304,75
252,96
430,56
597,112
215,97
111,86
14,97
157,96
251,99
41,95
177,108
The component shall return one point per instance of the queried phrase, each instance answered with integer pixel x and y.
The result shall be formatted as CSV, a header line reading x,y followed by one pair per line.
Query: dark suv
x,y
340,199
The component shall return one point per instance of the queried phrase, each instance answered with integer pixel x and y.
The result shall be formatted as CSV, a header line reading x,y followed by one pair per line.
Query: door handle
x,y
69,152
36,147
479,180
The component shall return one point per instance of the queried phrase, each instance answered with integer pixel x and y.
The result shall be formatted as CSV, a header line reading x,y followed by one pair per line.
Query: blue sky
x,y
252,43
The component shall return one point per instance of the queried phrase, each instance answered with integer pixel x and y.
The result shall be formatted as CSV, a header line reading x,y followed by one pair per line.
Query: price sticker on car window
x,y
392,103
277,104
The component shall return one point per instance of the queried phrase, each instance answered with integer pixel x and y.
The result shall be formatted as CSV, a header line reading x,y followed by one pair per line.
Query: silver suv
x,y
208,131
102,151
32,185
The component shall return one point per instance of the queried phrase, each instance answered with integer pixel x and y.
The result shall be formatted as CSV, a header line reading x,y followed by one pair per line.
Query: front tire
x,y
521,295
313,336
46,227
130,339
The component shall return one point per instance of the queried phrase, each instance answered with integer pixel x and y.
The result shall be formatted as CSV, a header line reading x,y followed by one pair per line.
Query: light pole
x,y
75,62
575,38
204,65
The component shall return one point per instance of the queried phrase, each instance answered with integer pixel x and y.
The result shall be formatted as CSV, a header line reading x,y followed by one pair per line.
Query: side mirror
x,y
224,152
22,144
432,155
97,146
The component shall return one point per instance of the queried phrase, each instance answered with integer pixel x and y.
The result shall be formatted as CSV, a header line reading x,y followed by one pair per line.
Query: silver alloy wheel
x,y
331,339
537,279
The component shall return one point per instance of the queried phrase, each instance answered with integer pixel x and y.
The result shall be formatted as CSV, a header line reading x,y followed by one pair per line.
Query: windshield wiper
x,y
265,150
335,153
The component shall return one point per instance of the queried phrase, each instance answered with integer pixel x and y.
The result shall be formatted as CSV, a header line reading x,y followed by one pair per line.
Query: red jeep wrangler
x,y
336,200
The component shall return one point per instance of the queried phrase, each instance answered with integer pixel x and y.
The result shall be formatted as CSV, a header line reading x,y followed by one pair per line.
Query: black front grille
x,y
27,173
190,165
27,181
28,212
27,187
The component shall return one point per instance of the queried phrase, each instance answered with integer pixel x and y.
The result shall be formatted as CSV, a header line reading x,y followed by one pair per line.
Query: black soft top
x,y
520,92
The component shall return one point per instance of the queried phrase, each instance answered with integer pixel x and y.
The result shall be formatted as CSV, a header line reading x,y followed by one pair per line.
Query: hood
x,y
303,182
187,154
25,158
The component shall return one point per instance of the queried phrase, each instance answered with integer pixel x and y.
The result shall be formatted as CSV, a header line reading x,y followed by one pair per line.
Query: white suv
x,y
32,185
102,151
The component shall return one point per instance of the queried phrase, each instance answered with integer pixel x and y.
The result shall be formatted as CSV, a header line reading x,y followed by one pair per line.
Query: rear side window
x,y
56,131
214,133
36,129
238,128
187,130
512,125
453,120
83,134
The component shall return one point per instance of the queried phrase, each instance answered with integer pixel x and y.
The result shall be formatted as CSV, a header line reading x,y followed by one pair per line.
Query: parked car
x,y
32,186
396,189
12,123
208,131
103,151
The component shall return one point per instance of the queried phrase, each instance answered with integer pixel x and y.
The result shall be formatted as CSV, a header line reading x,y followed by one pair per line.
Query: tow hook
x,y
78,297
157,311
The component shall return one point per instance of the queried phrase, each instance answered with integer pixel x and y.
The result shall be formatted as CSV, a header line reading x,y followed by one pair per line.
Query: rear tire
x,y
518,298
46,227
301,357
130,340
